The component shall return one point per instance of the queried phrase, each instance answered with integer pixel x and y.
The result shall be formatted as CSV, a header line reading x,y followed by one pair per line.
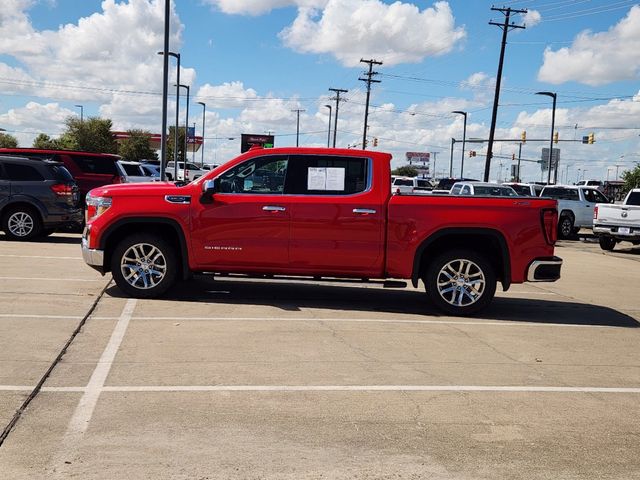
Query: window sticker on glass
x,y
248,184
316,178
335,179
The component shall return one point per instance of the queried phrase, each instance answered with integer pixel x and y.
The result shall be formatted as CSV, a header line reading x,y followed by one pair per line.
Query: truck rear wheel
x,y
460,282
607,243
144,265
565,226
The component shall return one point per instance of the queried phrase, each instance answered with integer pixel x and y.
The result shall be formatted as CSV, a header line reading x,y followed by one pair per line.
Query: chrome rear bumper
x,y
544,270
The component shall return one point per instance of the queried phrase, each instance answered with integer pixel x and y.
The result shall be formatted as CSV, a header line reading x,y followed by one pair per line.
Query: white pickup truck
x,y
615,223
575,206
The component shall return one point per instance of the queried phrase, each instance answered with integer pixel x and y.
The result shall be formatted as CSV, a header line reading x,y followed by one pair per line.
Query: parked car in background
x,y
410,185
616,223
89,170
526,189
575,206
483,189
36,198
597,184
151,170
191,172
447,183
209,166
132,172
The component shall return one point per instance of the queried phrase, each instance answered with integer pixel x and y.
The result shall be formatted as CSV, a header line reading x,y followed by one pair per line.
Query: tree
x,y
45,142
631,178
8,141
171,141
137,147
405,171
91,135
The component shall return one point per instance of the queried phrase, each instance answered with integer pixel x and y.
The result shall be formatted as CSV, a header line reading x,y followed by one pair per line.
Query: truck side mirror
x,y
208,189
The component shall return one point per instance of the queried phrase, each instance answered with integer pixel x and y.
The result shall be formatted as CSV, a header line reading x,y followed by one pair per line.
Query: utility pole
x,y
617,167
298,110
434,164
165,88
506,26
518,177
329,129
337,91
369,80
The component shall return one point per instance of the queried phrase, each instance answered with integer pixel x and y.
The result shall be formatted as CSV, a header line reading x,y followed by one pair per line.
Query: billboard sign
x,y
248,140
420,161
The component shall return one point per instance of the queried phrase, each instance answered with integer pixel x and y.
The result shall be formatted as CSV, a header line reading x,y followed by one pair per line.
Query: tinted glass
x,y
130,169
634,198
600,198
402,182
61,174
466,190
589,195
327,175
259,175
99,165
423,183
561,193
22,173
494,191
192,166
522,189
456,189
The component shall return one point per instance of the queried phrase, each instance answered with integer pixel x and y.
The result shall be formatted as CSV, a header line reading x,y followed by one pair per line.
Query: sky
x,y
252,62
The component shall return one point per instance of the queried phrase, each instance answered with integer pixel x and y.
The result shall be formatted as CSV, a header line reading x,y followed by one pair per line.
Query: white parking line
x,y
43,256
478,323
325,388
46,279
84,411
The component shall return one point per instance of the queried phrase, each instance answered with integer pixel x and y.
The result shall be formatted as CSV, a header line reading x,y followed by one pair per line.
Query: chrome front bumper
x,y
93,258
544,270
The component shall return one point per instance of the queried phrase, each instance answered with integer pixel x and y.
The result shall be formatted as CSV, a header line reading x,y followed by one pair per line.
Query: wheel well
x,y
11,206
566,213
490,244
167,230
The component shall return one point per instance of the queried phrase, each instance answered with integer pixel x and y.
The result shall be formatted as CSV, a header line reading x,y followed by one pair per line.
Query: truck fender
x,y
455,235
149,222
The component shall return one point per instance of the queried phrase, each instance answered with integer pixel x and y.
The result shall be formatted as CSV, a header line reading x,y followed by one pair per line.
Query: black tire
x,y
459,297
22,223
565,226
137,278
607,243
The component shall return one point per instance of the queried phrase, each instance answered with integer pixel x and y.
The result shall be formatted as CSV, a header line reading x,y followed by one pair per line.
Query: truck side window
x,y
589,196
264,175
327,175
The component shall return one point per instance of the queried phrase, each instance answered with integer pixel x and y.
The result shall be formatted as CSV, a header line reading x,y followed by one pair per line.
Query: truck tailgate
x,y
608,214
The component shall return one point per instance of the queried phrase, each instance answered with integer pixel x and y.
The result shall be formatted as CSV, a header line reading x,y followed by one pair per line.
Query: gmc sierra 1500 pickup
x,y
318,212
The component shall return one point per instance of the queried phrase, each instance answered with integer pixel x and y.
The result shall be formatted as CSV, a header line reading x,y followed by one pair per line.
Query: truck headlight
x,y
96,206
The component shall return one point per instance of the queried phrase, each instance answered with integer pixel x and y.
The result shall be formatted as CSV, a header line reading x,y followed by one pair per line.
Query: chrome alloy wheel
x,y
143,266
461,282
20,224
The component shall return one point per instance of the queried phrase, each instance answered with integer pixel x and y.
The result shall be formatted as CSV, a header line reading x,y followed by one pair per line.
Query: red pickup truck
x,y
322,213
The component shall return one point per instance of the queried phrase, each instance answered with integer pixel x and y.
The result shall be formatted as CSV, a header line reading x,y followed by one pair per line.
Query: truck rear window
x,y
634,199
561,193
61,174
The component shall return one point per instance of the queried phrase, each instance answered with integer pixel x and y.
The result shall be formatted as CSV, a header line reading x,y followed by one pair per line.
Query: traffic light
x,y
556,137
592,139
472,153
375,141
513,156
523,136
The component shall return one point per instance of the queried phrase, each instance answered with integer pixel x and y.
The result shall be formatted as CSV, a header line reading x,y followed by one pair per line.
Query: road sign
x,y
419,160
544,157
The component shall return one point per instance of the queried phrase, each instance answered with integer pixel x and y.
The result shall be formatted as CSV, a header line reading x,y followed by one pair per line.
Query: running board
x,y
394,284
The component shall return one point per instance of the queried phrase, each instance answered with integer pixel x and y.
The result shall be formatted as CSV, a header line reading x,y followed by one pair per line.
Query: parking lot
x,y
242,378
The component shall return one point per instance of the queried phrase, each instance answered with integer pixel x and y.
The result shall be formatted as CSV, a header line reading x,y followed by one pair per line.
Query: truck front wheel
x,y
460,282
144,265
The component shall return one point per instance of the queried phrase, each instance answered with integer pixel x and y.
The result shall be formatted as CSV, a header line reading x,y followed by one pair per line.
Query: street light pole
x,y
329,129
453,142
204,109
165,87
298,110
175,142
81,107
337,91
553,126
464,139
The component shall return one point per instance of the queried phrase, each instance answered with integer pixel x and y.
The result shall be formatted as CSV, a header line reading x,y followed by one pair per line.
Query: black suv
x,y
36,198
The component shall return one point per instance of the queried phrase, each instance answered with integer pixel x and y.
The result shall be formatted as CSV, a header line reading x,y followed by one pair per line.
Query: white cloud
x,y
352,29
39,117
597,58
227,95
532,18
259,7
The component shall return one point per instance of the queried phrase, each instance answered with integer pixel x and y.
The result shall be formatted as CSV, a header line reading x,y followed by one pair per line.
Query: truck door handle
x,y
363,211
273,208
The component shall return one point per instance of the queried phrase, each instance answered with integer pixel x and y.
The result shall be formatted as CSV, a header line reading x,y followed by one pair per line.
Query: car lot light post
x,y
553,124
464,139
175,143
186,125
204,109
